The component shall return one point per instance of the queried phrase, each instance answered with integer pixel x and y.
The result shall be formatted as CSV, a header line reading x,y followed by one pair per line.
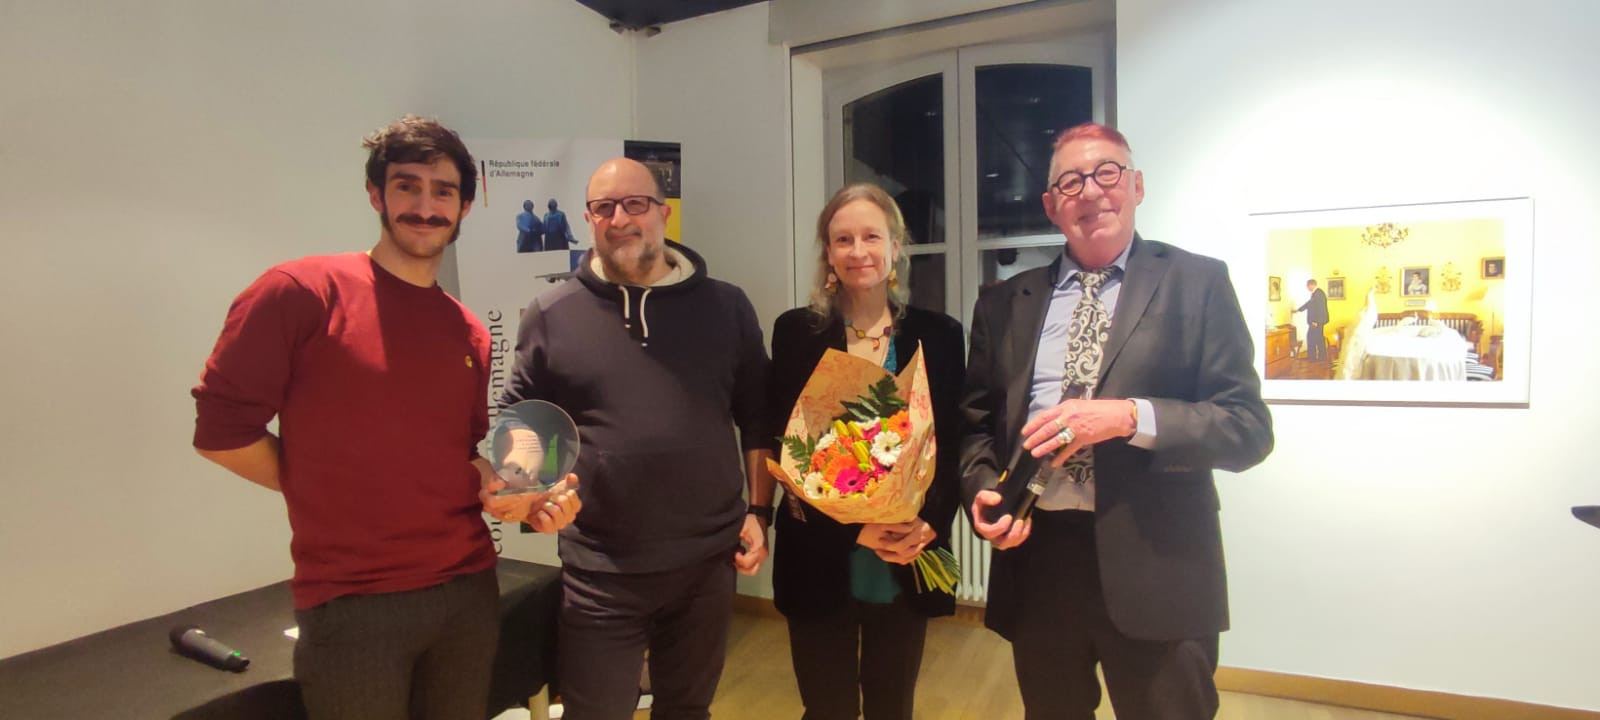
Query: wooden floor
x,y
966,674
1302,369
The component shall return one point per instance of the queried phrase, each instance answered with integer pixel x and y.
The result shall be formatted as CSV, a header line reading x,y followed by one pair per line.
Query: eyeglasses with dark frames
x,y
631,204
1106,175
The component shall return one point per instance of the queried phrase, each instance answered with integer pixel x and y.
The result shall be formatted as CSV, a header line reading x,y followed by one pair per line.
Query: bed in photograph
x,y
1414,345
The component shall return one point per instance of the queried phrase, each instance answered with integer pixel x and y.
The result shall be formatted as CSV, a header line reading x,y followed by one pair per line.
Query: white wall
x,y
156,160
1429,548
716,85
798,22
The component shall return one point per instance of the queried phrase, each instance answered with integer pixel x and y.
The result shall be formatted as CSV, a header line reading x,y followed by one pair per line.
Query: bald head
x,y
625,172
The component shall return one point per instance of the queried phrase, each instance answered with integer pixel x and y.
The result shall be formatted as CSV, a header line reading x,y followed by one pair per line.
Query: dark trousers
x,y
422,654
1063,630
608,620
1316,342
876,648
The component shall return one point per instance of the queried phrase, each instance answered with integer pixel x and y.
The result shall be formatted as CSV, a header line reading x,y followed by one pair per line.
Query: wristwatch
x,y
762,512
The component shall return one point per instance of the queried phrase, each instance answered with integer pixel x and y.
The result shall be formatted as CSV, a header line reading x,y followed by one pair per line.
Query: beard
x,y
633,260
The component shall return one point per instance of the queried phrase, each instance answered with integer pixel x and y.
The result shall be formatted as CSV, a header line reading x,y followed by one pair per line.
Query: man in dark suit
x,y
1128,362
1316,310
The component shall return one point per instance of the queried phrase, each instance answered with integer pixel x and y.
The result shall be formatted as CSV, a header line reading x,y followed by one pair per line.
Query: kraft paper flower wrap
x,y
859,447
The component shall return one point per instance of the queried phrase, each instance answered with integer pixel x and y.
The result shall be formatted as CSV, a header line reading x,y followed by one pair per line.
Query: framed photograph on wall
x,y
1421,343
1415,281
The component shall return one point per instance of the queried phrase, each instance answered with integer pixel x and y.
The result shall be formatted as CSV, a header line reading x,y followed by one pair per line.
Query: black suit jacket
x,y
811,558
1179,340
1316,308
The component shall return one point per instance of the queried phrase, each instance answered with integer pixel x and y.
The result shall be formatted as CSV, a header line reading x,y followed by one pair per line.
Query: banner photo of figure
x,y
526,235
1393,305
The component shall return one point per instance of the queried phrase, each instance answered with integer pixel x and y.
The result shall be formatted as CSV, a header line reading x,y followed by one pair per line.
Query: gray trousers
x,y
415,655
608,620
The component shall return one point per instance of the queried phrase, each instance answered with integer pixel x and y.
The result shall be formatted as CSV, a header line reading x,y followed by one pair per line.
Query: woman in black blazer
x,y
847,586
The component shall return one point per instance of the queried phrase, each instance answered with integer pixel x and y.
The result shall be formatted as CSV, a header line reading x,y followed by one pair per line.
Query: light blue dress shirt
x,y
1050,367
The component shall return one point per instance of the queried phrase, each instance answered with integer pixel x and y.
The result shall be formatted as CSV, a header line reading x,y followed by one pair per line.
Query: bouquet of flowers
x,y
859,447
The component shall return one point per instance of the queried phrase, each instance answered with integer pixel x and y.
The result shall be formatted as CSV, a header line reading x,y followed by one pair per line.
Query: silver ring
x,y
1060,428
1065,437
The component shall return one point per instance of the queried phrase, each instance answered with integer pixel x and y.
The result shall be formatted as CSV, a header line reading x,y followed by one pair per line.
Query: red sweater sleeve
x,y
244,381
481,346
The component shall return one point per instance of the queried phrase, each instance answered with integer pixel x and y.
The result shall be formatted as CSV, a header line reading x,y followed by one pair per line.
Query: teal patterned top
x,y
871,579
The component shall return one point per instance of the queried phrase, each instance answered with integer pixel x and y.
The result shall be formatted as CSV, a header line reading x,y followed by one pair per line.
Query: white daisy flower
x,y
826,441
814,485
886,448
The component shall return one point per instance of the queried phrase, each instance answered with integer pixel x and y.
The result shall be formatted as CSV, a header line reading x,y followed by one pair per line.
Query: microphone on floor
x,y
190,641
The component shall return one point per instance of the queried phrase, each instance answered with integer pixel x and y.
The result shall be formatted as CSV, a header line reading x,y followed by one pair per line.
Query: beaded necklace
x,y
877,340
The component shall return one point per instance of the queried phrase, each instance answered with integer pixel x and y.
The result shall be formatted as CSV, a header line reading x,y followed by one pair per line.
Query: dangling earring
x,y
894,279
833,283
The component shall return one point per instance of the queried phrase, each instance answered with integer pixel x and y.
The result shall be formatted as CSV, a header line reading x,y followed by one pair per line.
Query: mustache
x,y
415,219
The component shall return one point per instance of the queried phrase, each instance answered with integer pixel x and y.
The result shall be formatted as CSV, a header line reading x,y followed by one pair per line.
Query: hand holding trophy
x,y
532,449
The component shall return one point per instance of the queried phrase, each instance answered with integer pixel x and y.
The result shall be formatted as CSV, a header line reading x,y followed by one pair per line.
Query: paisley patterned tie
x,y
1086,341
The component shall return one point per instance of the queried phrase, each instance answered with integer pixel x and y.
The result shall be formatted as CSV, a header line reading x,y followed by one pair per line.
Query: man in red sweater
x,y
379,381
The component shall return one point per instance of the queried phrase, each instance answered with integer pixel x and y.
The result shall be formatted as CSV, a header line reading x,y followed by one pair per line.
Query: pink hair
x,y
1091,131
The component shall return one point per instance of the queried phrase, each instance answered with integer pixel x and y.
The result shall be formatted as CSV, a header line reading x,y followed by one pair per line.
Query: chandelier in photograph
x,y
1385,235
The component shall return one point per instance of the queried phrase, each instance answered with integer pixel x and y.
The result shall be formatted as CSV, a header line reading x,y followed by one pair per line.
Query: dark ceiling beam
x,y
650,15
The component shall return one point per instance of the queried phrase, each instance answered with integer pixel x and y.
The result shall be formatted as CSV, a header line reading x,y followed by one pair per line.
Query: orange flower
x,y
837,464
821,459
899,424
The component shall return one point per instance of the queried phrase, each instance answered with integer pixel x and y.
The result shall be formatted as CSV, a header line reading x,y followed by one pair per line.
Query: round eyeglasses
x,y
631,204
1106,175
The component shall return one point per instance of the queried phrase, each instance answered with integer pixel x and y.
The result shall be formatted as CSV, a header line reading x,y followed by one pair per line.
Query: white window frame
x,y
846,87
957,68
1078,52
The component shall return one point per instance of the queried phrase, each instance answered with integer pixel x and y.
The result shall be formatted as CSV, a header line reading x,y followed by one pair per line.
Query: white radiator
x,y
973,554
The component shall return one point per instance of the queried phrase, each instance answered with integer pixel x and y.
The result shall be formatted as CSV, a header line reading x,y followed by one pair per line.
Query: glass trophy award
x,y
533,445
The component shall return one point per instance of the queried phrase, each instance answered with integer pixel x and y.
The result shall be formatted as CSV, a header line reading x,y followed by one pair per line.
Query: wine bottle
x,y
1020,487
